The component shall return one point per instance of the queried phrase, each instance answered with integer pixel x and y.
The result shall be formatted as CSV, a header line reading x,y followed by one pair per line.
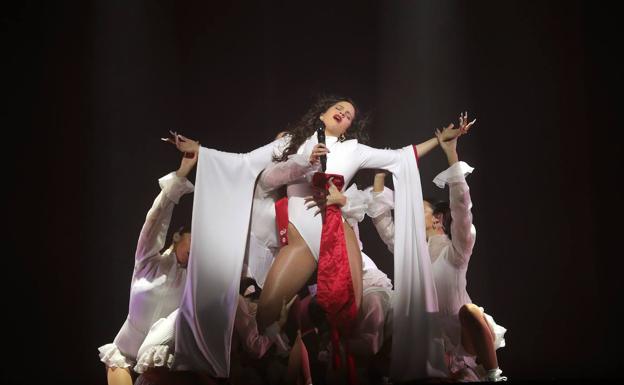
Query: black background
x,y
90,88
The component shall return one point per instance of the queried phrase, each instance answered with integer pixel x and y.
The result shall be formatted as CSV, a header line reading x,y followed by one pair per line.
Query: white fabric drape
x,y
221,215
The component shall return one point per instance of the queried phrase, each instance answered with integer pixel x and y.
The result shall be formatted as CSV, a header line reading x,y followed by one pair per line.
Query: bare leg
x,y
298,364
305,363
118,376
292,267
355,263
476,336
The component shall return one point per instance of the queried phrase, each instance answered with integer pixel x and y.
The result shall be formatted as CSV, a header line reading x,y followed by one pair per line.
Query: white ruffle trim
x,y
156,356
460,359
175,186
381,202
112,357
499,331
357,204
456,173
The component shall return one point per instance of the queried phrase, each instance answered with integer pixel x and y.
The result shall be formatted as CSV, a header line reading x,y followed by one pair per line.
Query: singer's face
x,y
338,118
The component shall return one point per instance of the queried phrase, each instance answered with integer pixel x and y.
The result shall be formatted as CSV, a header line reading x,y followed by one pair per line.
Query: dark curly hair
x,y
443,210
310,122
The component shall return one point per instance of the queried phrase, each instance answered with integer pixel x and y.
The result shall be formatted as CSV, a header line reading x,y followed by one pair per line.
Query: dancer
x,y
157,280
207,301
468,331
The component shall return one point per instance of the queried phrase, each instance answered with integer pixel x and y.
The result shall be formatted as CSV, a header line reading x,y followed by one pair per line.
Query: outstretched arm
x,y
154,231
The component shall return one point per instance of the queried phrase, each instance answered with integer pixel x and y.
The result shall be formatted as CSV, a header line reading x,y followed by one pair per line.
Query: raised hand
x,y
464,126
189,160
448,144
182,143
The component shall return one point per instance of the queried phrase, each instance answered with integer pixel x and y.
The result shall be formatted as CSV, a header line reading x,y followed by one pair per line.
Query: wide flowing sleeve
x,y
384,159
418,348
224,189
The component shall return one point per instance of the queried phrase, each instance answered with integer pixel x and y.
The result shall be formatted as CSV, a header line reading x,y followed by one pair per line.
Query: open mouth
x,y
337,118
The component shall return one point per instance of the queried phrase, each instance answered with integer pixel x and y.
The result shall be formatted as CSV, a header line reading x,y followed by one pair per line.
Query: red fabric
x,y
335,286
415,152
281,217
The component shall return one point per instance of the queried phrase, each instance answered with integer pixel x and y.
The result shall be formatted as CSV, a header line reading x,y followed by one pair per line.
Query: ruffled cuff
x,y
455,173
174,186
112,357
311,169
499,331
357,204
156,356
380,202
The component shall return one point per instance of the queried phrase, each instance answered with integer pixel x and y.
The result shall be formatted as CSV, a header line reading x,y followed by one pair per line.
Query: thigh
x,y
292,267
355,262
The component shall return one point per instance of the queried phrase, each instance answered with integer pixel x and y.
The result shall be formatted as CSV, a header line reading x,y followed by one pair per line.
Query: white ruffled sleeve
x,y
154,231
112,357
380,210
456,173
357,204
282,173
463,233
381,202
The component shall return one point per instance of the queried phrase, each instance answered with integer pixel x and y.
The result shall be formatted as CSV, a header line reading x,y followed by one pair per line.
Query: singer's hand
x,y
182,143
189,160
317,151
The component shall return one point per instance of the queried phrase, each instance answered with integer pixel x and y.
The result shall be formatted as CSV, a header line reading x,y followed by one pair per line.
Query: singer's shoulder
x,y
351,144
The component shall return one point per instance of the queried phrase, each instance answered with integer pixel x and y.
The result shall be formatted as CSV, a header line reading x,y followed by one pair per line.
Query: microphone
x,y
320,134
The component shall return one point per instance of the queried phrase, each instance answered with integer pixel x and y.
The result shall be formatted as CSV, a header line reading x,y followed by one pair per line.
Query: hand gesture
x,y
189,160
323,198
317,151
182,143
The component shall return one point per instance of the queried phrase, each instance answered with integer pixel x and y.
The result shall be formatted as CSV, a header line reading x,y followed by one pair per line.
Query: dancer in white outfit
x,y
468,331
157,281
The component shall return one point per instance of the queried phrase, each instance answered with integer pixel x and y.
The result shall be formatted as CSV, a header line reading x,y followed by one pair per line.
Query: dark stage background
x,y
92,86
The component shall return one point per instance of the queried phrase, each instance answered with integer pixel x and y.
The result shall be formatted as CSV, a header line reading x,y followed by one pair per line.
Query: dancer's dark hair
x,y
443,210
